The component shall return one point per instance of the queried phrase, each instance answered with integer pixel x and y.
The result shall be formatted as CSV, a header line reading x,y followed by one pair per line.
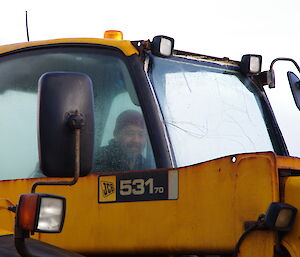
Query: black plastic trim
x,y
151,113
29,48
277,138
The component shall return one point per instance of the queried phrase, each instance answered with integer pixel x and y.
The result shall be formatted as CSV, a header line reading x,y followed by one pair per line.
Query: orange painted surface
x,y
124,45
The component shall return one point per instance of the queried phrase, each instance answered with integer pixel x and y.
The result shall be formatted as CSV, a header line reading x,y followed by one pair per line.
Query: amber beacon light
x,y
113,34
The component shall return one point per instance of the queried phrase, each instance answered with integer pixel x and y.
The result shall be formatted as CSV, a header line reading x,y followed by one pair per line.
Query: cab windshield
x,y
114,95
209,111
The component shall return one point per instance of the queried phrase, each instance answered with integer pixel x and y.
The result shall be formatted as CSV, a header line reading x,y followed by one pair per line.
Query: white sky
x,y
221,28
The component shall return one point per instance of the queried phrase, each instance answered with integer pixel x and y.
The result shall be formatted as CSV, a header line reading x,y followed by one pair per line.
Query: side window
x,y
18,149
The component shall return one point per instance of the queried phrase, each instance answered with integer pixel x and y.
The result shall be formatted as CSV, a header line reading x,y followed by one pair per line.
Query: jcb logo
x,y
108,188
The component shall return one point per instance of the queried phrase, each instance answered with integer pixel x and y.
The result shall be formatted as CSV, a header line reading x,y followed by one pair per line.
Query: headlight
x,y
251,64
41,213
280,217
162,46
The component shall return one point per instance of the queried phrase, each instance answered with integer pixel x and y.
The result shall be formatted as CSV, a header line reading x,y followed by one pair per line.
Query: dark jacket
x,y
112,158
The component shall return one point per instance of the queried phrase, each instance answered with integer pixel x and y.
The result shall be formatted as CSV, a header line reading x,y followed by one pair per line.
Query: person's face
x,y
132,139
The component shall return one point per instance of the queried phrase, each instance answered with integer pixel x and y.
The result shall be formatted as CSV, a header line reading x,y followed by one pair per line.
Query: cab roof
x,y
124,45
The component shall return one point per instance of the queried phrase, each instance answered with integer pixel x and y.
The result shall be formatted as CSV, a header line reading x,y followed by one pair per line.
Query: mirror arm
x,y
268,77
285,59
76,122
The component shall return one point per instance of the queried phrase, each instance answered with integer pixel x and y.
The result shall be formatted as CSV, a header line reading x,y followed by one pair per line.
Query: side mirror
x,y
295,87
66,102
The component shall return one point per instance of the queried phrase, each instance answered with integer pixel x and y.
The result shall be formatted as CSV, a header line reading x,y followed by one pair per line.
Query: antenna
x,y
27,27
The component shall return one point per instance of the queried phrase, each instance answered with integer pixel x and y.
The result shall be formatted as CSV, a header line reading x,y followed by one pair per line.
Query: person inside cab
x,y
124,151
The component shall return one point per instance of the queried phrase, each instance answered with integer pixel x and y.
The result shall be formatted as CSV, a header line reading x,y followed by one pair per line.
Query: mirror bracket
x,y
268,77
75,120
272,85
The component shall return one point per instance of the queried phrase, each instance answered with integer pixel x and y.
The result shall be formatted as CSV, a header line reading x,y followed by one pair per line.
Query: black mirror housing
x,y
61,95
295,87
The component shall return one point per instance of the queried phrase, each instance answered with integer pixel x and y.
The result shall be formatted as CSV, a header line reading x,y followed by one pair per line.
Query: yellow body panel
x,y
291,196
288,163
125,46
215,199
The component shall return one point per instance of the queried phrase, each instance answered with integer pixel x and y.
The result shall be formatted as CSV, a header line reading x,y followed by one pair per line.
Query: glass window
x,y
208,111
113,91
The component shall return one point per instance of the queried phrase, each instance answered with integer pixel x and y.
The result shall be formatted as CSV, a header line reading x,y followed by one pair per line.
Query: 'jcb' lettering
x,y
107,188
